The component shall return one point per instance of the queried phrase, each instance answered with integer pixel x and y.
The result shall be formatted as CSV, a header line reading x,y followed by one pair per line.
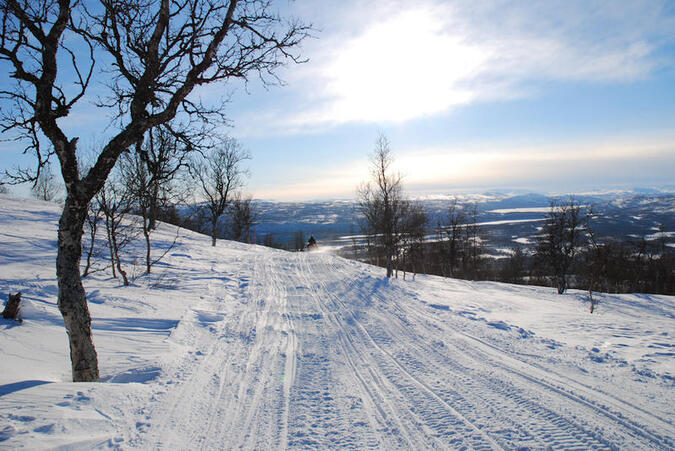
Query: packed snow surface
x,y
241,346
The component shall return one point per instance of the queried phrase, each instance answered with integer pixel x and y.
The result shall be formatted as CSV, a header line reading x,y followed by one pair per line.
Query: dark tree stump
x,y
12,307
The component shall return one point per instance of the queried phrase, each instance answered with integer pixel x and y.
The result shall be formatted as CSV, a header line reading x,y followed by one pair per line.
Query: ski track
x,y
289,351
499,390
595,400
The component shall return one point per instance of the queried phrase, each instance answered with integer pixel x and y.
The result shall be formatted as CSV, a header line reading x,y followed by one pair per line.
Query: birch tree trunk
x,y
72,300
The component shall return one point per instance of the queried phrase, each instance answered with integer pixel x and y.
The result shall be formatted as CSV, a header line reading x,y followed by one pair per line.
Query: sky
x,y
556,96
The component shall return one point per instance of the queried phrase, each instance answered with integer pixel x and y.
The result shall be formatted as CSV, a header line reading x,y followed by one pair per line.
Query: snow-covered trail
x,y
303,350
244,347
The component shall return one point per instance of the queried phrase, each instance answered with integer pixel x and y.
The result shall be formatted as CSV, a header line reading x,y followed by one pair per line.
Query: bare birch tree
x,y
45,186
561,240
157,53
413,238
451,239
243,217
114,202
92,220
148,175
219,175
472,245
381,202
163,153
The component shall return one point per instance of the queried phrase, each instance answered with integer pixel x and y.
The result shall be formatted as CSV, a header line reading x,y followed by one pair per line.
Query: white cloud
x,y
601,159
391,75
388,61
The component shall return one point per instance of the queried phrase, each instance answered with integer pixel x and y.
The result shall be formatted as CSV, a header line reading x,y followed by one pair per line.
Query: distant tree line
x,y
567,253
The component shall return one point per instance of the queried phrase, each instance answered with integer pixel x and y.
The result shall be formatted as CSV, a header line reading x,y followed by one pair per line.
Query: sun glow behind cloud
x,y
400,63
526,69
400,69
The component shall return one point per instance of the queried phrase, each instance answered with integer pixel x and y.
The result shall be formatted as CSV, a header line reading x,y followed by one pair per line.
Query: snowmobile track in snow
x,y
244,347
552,427
598,402
301,355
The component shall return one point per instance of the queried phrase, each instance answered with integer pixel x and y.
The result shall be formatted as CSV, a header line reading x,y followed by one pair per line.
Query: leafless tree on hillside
x,y
114,201
92,220
164,153
413,238
219,174
561,239
451,239
243,217
382,204
472,248
45,186
148,175
140,189
155,55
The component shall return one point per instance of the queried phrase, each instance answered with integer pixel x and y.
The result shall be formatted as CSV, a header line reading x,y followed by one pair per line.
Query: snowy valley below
x,y
246,347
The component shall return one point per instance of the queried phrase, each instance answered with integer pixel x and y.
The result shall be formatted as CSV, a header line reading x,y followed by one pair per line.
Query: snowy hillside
x,y
241,346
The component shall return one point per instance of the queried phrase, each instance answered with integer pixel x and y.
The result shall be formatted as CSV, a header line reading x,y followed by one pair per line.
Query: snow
x,y
508,221
504,211
240,346
659,235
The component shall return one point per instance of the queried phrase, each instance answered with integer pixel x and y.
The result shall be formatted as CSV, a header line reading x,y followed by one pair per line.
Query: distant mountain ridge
x,y
619,214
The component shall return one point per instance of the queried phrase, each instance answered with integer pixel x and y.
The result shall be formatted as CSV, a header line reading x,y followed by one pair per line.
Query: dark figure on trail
x,y
311,244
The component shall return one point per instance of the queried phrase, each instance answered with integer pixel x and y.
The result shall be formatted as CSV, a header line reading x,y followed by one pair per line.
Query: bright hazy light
x,y
405,64
405,67
527,164
544,165
307,183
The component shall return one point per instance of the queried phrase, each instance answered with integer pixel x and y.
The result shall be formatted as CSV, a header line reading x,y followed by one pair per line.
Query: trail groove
x,y
305,352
